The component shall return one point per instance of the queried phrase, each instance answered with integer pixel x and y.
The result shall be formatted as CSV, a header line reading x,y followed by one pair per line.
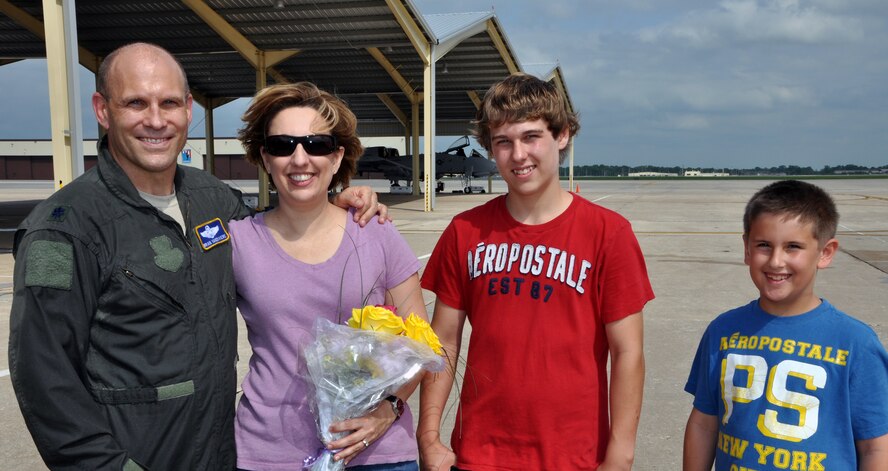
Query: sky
x,y
689,83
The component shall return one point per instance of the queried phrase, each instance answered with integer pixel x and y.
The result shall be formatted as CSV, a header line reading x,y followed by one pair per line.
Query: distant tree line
x,y
625,170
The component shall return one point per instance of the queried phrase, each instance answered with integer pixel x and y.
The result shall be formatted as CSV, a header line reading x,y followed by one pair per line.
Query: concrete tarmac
x,y
690,232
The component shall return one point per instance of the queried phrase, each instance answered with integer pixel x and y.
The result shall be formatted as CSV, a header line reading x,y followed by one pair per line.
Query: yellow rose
x,y
420,330
376,318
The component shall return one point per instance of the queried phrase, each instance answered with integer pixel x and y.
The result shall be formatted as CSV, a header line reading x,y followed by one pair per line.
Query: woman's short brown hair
x,y
271,100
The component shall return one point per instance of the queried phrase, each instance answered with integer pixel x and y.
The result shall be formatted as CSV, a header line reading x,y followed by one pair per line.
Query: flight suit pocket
x,y
140,336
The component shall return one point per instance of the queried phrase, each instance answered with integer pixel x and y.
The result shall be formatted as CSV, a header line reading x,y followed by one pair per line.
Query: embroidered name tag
x,y
212,233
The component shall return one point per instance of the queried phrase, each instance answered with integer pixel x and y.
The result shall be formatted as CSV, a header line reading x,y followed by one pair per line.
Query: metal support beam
x,y
64,94
428,99
264,195
277,76
411,29
556,78
210,134
238,41
259,59
570,166
36,27
200,98
22,18
393,107
454,38
476,100
274,57
414,111
403,84
224,29
414,99
493,31
421,44
72,72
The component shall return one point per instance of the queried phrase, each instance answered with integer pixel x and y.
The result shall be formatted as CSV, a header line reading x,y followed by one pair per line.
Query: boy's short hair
x,y
522,97
795,198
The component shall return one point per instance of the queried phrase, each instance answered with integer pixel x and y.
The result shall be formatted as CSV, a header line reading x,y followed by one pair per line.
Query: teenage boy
x,y
551,284
788,381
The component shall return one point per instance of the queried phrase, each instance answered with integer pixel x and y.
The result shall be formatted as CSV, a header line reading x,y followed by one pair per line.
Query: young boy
x,y
788,381
551,285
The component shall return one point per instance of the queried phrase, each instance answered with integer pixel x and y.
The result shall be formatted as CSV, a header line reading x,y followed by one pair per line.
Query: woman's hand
x,y
365,431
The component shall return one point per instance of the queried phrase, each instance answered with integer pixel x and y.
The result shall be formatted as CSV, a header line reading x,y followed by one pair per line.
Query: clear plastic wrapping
x,y
351,370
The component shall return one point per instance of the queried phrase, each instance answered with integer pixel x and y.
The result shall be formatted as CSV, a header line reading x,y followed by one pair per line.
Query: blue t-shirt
x,y
790,392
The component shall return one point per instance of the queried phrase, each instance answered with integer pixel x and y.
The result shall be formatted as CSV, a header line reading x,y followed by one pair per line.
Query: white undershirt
x,y
168,205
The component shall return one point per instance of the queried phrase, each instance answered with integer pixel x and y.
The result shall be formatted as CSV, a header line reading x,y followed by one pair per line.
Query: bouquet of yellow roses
x,y
352,368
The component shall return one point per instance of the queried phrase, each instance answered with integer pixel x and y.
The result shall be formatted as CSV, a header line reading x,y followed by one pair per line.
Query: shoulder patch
x,y
58,214
211,233
49,264
166,256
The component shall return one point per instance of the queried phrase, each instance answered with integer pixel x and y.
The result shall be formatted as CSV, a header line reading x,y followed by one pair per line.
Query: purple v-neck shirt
x,y
279,298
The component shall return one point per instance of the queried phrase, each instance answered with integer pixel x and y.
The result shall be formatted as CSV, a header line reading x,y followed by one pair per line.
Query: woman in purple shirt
x,y
306,259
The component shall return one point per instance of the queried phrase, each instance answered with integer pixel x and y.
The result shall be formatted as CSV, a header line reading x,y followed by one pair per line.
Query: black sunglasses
x,y
283,145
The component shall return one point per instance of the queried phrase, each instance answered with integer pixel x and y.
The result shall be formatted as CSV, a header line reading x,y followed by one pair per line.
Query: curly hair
x,y
271,100
522,97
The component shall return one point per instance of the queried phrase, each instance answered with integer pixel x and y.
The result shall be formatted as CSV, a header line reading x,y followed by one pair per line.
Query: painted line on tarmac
x,y
688,233
861,233
602,198
4,373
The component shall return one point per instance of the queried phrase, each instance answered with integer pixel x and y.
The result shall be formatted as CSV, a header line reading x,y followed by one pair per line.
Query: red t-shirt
x,y
537,297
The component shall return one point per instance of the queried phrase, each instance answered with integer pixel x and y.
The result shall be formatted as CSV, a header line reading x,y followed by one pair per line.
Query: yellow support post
x,y
264,188
60,122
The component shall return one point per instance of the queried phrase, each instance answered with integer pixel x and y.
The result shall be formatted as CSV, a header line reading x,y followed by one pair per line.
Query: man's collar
x,y
117,180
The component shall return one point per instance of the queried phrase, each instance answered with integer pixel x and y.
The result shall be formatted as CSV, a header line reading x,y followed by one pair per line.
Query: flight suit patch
x,y
212,233
166,256
58,214
49,264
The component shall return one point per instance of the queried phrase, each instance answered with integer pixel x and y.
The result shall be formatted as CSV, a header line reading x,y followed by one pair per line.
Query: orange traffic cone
x,y
578,188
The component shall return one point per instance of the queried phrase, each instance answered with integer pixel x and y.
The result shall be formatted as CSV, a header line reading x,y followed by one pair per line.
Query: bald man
x,y
123,336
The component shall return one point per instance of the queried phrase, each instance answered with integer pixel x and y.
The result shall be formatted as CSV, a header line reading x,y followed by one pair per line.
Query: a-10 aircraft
x,y
451,162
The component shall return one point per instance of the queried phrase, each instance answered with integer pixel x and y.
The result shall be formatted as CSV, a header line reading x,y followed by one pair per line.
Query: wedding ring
x,y
366,443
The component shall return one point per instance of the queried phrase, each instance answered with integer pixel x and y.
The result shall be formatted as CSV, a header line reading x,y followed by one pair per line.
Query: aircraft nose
x,y
482,167
490,166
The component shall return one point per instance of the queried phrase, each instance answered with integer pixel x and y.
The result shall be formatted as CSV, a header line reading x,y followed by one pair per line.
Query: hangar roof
x,y
372,53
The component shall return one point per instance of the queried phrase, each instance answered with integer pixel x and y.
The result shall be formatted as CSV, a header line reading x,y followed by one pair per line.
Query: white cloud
x,y
799,21
687,122
737,95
